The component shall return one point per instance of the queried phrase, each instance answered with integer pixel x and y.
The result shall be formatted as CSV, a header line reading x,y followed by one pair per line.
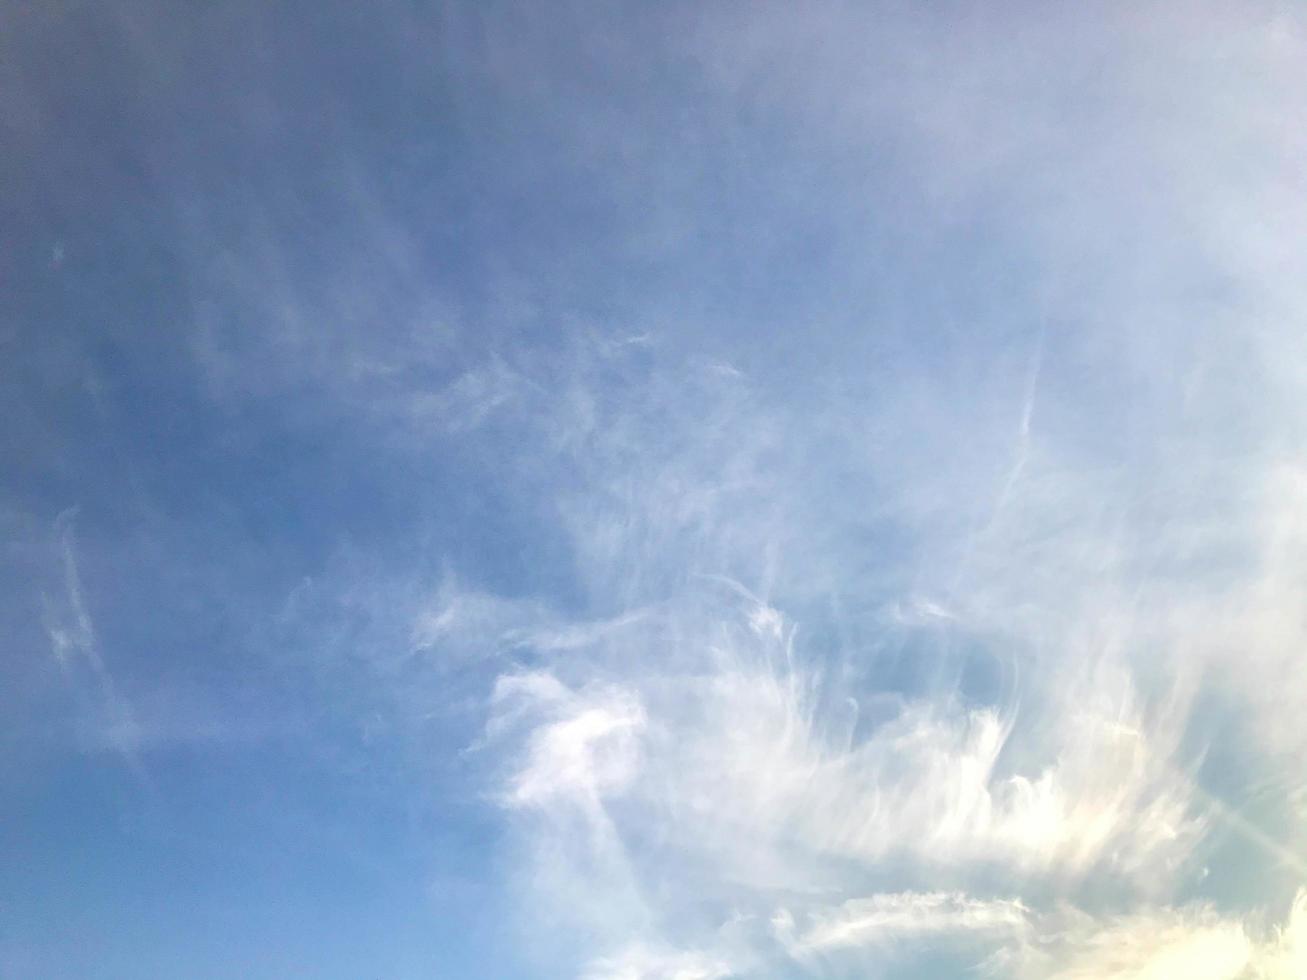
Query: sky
x,y
653,491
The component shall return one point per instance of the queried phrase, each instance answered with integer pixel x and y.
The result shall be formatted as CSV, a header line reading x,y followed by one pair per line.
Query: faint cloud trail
x,y
72,635
1022,453
1248,830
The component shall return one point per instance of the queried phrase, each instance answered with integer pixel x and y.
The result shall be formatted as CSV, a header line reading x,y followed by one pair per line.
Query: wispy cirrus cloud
x,y
105,719
806,495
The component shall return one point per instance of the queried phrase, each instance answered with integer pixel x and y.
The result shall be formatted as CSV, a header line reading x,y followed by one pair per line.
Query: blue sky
x,y
653,491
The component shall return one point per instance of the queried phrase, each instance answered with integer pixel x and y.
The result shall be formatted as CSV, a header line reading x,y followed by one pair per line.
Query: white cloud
x,y
587,746
863,922
1158,943
103,717
1161,943
758,759
462,624
640,962
738,785
468,401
